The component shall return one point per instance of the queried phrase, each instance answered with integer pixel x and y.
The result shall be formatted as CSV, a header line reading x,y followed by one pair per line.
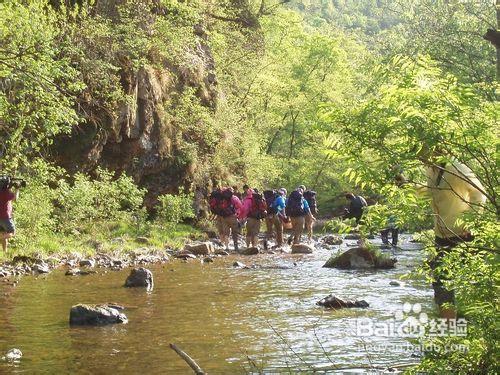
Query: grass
x,y
121,236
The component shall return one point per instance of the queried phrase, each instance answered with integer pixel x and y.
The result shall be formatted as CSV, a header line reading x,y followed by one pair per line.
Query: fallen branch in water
x,y
190,361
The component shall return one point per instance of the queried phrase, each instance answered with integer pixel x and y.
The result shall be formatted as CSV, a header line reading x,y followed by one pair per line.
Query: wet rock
x,y
238,264
115,306
301,248
41,268
395,283
203,248
87,263
250,251
185,255
78,272
208,260
13,355
332,302
143,240
331,240
360,257
221,252
95,315
353,236
140,277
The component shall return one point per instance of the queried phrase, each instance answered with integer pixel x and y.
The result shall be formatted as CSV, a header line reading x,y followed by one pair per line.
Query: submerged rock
x,y
95,315
140,277
360,257
13,355
250,251
78,272
302,248
204,248
395,283
333,302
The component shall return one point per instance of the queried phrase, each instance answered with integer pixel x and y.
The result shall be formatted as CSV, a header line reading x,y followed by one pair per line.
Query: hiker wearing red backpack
x,y
254,210
225,205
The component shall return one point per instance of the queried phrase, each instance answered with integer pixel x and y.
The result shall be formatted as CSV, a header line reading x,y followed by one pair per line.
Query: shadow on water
x,y
220,315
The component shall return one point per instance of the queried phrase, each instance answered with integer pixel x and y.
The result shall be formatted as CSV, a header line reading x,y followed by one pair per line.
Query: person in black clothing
x,y
356,206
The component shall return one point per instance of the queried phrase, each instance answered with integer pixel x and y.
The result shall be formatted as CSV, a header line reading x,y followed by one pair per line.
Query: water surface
x,y
231,321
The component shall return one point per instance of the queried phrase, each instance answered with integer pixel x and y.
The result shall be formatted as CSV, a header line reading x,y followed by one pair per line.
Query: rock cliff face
x,y
140,139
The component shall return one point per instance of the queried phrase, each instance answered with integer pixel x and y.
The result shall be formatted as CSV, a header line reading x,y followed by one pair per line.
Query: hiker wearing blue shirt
x,y
276,214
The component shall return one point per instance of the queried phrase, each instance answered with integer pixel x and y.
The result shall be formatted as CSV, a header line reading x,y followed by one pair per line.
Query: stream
x,y
230,320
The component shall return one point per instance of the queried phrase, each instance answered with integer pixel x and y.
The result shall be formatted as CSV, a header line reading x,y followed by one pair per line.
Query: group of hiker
x,y
234,210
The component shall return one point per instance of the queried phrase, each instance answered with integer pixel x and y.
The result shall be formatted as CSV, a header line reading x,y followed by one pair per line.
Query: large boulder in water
x,y
302,248
360,257
95,315
333,302
140,277
204,248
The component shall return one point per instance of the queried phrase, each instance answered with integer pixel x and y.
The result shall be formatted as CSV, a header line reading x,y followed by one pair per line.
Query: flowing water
x,y
231,321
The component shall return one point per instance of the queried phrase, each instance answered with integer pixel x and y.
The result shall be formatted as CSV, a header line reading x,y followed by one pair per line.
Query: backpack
x,y
294,206
258,210
220,203
270,196
310,197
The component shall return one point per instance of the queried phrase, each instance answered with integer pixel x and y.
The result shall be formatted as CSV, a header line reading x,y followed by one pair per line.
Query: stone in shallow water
x,y
238,264
360,257
140,277
13,354
185,255
203,248
302,248
95,315
41,268
250,251
87,263
331,240
78,272
333,302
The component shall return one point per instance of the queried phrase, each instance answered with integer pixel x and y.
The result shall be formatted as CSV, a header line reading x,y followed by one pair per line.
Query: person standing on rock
x,y
7,227
225,205
297,209
356,206
254,210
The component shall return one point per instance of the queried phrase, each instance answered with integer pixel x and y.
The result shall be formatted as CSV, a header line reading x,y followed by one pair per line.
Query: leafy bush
x,y
86,201
175,208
